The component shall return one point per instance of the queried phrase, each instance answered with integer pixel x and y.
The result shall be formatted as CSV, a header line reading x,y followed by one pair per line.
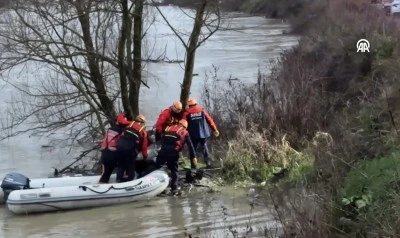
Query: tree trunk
x,y
137,57
126,29
191,53
107,105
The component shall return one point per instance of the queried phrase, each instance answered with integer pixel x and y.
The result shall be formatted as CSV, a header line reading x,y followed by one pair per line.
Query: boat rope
x,y
128,188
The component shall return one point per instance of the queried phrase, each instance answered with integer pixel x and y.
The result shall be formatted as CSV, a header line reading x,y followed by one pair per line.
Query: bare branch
x,y
74,42
177,34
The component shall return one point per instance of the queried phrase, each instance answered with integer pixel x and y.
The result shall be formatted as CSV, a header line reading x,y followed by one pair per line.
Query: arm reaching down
x,y
189,143
145,145
162,119
210,121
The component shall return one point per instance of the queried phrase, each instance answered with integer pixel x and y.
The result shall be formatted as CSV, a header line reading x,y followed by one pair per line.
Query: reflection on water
x,y
161,217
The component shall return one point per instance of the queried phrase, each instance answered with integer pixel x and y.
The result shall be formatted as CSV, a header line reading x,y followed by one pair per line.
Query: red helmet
x,y
121,119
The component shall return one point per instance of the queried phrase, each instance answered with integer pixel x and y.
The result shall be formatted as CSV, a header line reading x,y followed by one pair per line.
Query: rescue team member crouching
x,y
109,153
168,117
173,140
132,142
199,124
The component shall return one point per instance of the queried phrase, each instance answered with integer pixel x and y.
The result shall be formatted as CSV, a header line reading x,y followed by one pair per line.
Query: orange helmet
x,y
141,118
176,106
183,123
121,119
191,102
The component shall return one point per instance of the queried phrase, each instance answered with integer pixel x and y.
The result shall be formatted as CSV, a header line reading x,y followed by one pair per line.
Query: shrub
x,y
322,84
372,189
250,155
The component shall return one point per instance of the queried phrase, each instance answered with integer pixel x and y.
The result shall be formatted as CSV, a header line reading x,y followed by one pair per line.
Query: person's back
x,y
199,121
173,140
167,117
133,141
109,152
199,124
133,137
111,138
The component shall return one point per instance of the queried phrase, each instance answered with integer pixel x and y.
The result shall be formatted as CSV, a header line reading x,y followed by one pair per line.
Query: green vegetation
x,y
372,191
187,164
326,119
250,156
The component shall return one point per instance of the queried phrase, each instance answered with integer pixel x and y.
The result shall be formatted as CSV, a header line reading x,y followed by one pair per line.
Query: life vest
x,y
110,141
174,136
131,137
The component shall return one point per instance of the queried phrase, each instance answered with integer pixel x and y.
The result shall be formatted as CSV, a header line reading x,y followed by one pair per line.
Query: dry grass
x,y
251,155
323,84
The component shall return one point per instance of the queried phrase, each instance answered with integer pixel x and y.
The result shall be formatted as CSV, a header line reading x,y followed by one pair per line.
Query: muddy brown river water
x,y
200,214
238,54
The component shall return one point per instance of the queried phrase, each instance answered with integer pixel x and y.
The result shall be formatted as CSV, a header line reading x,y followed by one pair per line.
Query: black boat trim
x,y
81,198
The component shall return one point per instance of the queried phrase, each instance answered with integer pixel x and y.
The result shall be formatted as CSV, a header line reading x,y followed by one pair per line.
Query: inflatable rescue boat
x,y
58,194
14,181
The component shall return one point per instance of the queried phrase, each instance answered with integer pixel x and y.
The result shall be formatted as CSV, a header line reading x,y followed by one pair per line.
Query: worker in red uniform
x,y
168,117
199,124
133,141
109,154
173,140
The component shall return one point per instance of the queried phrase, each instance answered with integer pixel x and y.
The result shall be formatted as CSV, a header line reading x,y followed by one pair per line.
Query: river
x,y
238,54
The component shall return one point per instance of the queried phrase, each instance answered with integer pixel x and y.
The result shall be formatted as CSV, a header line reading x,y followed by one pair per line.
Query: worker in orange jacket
x,y
199,124
168,117
133,141
109,153
173,140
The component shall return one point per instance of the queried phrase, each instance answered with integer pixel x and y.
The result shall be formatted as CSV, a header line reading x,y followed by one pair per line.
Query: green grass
x,y
372,188
246,166
186,163
300,172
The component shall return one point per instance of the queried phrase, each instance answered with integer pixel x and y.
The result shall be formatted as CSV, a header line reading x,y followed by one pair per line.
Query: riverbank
x,y
272,9
325,120
266,8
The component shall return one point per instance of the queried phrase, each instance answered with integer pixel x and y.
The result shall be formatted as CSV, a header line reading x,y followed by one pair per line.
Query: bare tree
x,y
92,56
207,21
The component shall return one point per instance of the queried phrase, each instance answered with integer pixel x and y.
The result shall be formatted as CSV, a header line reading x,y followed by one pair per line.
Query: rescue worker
x,y
109,154
132,142
199,124
168,117
173,140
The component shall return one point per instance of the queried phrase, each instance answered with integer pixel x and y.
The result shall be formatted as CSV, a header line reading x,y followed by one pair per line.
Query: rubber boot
x,y
193,163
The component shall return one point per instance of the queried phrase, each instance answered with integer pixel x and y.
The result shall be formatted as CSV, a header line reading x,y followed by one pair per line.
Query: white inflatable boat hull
x,y
85,196
62,182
